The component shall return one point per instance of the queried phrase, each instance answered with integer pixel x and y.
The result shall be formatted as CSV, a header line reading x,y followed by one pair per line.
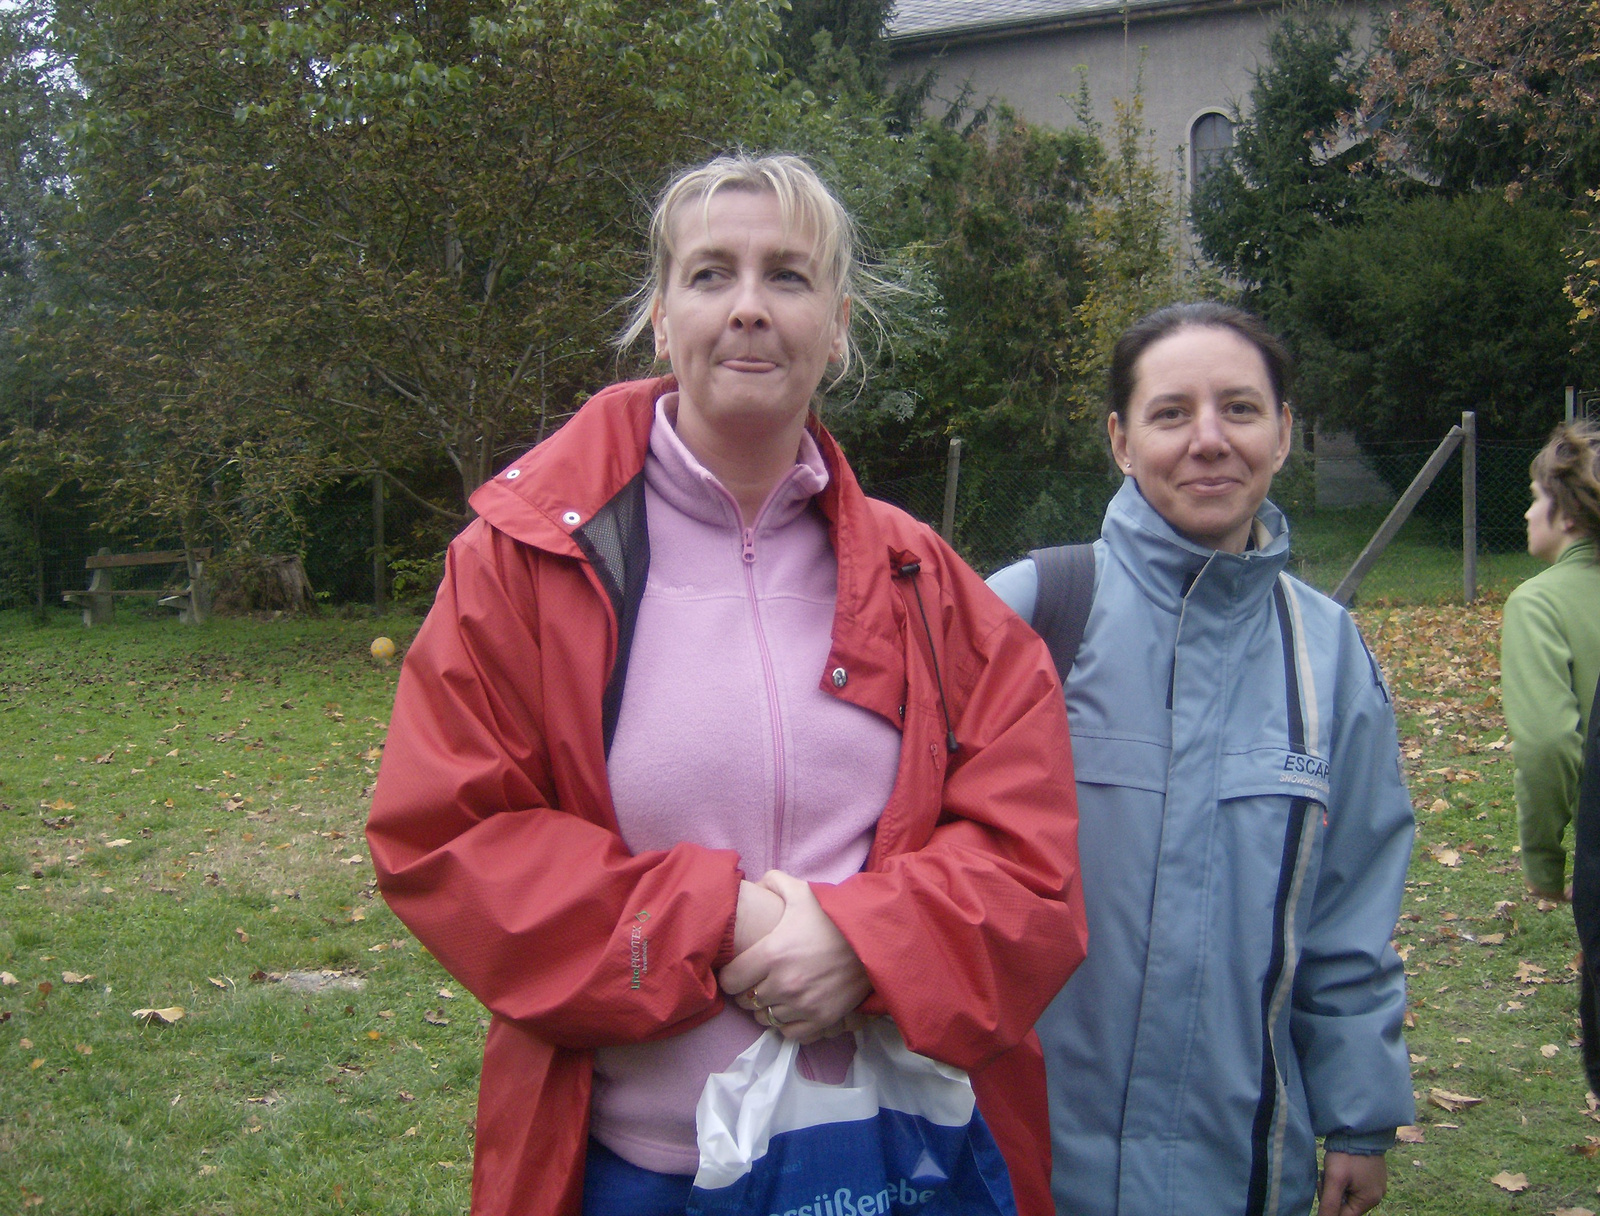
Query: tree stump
x,y
273,583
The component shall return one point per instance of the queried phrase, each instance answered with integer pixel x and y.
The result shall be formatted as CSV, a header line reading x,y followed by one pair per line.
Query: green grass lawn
x,y
1492,975
182,813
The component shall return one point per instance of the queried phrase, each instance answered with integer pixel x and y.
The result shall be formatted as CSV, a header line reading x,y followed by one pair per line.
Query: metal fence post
x,y
1469,505
1397,516
1572,402
380,590
952,478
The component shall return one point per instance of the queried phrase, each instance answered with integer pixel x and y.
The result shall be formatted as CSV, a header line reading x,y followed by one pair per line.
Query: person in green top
x,y
1550,650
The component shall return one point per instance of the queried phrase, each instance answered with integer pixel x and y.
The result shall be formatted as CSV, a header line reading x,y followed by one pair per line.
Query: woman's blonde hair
x,y
1567,468
805,204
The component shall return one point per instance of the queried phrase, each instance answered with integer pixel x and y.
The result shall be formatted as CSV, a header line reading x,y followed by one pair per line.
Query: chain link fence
x,y
1379,473
42,552
1000,512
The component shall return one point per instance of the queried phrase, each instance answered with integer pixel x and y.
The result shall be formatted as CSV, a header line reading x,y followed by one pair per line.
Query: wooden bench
x,y
99,602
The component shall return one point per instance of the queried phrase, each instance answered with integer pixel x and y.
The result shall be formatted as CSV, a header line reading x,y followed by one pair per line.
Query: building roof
x,y
917,21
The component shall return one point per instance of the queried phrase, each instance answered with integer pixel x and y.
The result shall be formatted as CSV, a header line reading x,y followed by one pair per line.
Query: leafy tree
x,y
318,239
1293,172
146,333
1133,264
1435,307
1500,93
838,47
36,97
1479,93
987,235
856,26
33,101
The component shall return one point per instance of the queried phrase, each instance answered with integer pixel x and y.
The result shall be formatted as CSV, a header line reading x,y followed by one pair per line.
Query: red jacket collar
x,y
553,490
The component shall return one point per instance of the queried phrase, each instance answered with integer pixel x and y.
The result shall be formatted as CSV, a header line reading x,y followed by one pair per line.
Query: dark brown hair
x,y
1567,468
1204,314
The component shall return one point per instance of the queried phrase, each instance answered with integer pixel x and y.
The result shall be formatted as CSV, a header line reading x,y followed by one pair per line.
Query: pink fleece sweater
x,y
725,738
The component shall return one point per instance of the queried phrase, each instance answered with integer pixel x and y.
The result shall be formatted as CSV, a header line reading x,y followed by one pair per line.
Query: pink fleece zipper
x,y
774,707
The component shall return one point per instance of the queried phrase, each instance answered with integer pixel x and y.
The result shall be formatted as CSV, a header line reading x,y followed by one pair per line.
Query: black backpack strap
x,y
1066,593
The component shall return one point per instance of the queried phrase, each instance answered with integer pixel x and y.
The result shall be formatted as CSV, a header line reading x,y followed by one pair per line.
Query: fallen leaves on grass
x,y
241,934
1410,1135
1573,1212
1455,1103
435,1017
1445,855
120,842
159,1017
1529,973
1549,1051
9,980
72,977
1491,939
1507,1181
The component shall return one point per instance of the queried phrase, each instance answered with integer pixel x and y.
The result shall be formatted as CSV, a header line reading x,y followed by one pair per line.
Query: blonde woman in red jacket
x,y
699,740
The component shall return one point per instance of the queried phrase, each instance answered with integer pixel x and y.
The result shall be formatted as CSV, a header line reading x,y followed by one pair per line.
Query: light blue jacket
x,y
1244,831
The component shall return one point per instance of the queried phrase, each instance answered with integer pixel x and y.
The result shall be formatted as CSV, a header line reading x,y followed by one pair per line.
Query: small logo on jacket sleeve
x,y
638,949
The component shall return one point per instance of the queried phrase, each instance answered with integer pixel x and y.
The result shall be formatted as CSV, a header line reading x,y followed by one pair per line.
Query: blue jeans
x,y
614,1187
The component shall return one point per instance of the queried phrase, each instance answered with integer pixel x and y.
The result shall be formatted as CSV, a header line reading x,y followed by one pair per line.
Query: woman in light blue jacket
x,y
1244,824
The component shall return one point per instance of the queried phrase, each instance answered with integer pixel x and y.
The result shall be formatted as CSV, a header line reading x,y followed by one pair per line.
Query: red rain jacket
x,y
495,840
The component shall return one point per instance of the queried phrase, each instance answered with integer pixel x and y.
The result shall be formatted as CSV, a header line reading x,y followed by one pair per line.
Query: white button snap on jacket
x,y
513,474
571,518
839,677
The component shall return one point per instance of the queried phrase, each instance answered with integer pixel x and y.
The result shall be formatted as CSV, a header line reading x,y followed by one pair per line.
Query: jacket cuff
x,y
724,954
1360,1144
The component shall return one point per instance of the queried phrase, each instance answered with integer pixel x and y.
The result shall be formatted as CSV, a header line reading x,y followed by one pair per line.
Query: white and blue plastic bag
x,y
901,1135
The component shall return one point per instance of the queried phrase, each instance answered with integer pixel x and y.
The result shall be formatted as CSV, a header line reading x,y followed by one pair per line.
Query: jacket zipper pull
x,y
749,545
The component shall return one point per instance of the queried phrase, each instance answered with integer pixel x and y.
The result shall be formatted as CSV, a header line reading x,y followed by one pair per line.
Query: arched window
x,y
1210,141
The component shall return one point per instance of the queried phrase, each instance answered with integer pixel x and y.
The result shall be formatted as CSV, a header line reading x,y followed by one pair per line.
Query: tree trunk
x,y
37,519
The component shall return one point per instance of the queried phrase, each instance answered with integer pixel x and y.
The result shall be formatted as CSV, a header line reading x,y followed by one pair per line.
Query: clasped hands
x,y
793,968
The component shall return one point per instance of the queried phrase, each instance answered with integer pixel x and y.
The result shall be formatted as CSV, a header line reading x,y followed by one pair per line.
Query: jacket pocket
x,y
1273,772
1106,759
